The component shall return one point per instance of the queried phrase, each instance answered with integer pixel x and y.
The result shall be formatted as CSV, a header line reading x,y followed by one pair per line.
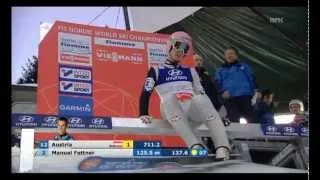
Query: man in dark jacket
x,y
210,88
237,85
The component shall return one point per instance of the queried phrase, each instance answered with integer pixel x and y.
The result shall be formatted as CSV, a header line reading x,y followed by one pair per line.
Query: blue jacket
x,y
264,113
237,78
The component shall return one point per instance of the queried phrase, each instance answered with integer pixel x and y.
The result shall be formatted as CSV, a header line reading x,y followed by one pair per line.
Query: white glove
x,y
146,119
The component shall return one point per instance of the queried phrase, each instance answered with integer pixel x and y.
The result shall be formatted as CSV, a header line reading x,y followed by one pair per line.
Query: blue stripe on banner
x,y
49,121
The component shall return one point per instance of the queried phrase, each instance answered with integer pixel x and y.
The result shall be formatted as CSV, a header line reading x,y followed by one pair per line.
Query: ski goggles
x,y
181,46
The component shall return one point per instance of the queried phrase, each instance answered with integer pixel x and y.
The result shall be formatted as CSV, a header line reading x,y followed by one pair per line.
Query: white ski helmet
x,y
179,36
297,101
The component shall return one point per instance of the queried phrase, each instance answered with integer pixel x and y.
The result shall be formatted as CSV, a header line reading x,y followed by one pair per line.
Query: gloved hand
x,y
146,119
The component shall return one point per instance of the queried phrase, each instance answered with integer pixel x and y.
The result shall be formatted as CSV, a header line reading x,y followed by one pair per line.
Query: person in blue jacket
x,y
263,109
237,85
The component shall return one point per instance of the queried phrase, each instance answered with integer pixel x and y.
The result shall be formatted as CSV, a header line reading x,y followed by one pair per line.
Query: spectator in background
x,y
237,85
210,88
301,118
62,125
263,108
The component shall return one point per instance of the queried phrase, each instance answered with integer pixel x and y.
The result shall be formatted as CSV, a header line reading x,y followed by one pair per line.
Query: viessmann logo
x,y
75,87
104,55
75,73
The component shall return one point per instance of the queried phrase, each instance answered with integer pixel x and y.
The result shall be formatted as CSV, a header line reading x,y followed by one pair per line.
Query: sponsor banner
x,y
69,105
289,130
119,43
303,131
75,73
157,54
75,88
284,130
74,49
116,56
49,121
271,130
24,120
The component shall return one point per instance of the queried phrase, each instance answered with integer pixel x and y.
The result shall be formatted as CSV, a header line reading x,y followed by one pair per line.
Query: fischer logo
x,y
26,121
75,44
104,55
75,87
75,73
76,122
98,123
119,43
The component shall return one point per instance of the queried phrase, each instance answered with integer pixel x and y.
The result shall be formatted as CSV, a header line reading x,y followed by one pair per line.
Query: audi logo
x,y
289,129
98,121
272,128
75,120
175,72
26,119
50,119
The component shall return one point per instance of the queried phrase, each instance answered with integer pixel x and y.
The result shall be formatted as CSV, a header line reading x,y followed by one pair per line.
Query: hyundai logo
x,y
97,121
75,120
271,128
175,72
26,119
289,129
304,130
50,119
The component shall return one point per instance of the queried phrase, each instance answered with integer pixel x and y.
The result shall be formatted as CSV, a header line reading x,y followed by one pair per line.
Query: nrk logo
x,y
75,73
175,72
76,122
79,88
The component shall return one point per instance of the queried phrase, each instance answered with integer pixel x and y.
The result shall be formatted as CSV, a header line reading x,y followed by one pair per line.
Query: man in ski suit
x,y
183,101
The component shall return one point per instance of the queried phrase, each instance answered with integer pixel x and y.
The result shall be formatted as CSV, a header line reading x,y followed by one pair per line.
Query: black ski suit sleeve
x,y
147,89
